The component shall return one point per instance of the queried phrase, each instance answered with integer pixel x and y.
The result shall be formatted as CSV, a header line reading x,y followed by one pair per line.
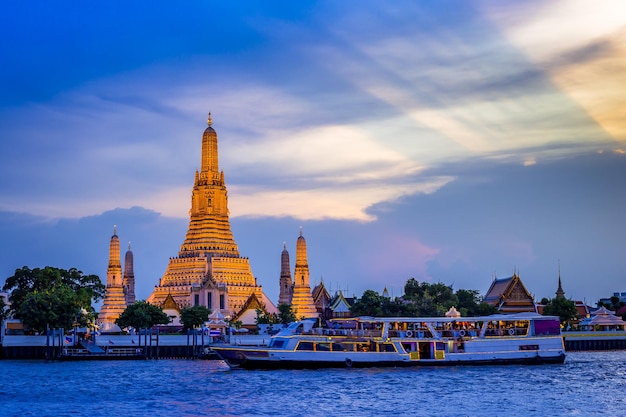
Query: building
x,y
340,306
128,281
209,270
285,283
302,303
114,302
509,295
322,300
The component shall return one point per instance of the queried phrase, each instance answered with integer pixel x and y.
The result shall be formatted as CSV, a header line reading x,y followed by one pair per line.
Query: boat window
x,y
345,347
386,347
305,346
323,347
277,343
547,327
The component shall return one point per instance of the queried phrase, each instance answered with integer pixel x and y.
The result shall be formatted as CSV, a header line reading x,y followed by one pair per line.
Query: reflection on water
x,y
588,384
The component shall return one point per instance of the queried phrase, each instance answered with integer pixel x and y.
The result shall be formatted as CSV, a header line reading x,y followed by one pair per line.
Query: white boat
x,y
523,338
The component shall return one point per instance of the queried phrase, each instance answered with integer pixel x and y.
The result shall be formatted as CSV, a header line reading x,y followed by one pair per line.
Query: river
x,y
588,384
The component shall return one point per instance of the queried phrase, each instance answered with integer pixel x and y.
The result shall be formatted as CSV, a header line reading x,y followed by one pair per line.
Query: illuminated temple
x,y
297,294
208,270
114,300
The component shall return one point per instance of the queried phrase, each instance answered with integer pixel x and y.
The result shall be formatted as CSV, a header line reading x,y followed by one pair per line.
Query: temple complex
x,y
302,303
129,277
209,270
114,301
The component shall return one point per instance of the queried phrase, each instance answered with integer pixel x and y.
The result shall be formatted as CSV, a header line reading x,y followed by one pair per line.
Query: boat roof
x,y
493,317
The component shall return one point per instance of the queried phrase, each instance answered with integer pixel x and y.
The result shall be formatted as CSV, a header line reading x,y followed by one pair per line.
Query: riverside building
x,y
114,302
209,270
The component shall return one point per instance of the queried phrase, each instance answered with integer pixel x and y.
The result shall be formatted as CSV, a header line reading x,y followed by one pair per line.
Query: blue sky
x,y
445,141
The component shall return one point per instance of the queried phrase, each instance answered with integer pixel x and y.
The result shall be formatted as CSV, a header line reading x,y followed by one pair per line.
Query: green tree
x,y
471,304
53,297
4,312
413,289
142,315
285,314
563,308
58,307
263,317
193,317
370,304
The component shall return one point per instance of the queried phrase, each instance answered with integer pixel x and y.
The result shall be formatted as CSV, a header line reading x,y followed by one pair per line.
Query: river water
x,y
588,384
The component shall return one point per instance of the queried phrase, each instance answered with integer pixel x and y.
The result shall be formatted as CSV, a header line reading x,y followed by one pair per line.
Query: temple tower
x,y
114,302
286,285
208,269
559,291
302,300
129,277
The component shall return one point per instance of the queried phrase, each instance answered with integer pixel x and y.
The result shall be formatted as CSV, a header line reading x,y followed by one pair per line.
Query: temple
x,y
302,303
129,277
285,284
114,300
509,295
209,270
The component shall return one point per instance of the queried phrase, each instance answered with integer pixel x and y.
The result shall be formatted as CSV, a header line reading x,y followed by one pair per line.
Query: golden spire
x,y
209,120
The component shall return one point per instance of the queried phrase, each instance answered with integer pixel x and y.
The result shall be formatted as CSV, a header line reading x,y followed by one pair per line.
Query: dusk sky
x,y
449,141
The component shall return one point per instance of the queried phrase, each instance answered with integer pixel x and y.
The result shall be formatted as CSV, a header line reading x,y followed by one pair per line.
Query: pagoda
x,y
302,302
114,302
129,277
209,270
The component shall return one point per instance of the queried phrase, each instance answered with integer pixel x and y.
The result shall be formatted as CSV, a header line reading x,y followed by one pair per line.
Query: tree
x,y
285,314
142,315
192,317
53,297
563,308
4,312
370,304
263,317
413,289
471,304
58,307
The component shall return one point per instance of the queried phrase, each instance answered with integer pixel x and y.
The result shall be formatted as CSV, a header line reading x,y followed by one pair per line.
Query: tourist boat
x,y
523,338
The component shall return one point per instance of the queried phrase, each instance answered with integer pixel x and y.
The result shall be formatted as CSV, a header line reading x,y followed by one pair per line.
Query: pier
x,y
109,347
595,340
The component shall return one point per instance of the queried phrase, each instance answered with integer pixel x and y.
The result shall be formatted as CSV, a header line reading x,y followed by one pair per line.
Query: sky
x,y
444,141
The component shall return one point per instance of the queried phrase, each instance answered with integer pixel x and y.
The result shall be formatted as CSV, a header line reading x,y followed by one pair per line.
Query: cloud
x,y
325,201
580,46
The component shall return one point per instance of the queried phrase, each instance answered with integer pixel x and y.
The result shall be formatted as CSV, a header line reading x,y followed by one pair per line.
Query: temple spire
x,y
128,280
285,282
209,166
114,302
209,270
559,292
302,300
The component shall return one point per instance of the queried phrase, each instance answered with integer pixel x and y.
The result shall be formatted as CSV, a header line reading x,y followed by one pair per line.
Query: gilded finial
x,y
209,120
300,230
115,230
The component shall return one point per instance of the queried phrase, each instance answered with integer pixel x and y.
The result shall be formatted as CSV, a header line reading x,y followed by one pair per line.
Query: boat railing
x,y
319,331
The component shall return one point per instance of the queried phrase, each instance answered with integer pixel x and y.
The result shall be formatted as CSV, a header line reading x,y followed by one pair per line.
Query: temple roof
x,y
510,295
339,303
170,304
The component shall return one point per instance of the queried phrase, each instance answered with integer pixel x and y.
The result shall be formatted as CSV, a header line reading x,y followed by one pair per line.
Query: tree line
x,y
422,299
